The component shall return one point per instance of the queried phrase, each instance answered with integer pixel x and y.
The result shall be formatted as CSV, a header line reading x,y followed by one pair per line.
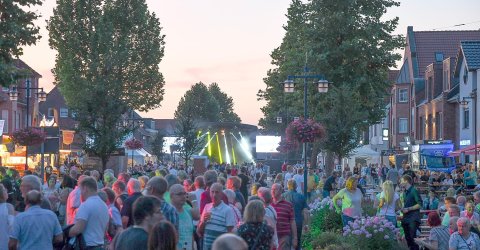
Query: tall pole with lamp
x,y
42,96
464,103
289,87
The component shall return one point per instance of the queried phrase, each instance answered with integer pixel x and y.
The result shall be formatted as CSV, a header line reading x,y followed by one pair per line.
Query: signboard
x,y
68,136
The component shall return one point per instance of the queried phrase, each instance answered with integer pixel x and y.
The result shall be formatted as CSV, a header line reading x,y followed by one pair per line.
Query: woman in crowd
x,y
432,202
351,197
470,214
439,234
51,192
463,238
470,177
113,212
255,231
7,213
389,203
163,237
279,179
235,207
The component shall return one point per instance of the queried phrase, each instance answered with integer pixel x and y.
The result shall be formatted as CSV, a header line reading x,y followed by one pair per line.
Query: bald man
x,y
229,242
134,191
217,217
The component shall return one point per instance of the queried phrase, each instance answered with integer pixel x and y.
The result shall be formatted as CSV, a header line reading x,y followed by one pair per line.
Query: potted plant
x,y
133,144
305,130
28,136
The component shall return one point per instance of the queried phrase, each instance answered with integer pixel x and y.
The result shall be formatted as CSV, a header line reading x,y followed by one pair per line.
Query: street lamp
x,y
289,87
42,96
464,104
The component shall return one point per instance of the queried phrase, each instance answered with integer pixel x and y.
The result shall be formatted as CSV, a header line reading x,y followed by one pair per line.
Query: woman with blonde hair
x,y
388,203
257,233
351,197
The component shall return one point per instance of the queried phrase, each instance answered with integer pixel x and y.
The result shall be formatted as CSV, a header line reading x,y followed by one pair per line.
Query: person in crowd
x,y
411,211
121,194
255,231
70,181
476,199
234,205
210,177
245,181
299,180
279,179
113,211
286,227
109,178
91,219
452,224
270,214
463,238
388,203
351,197
133,189
171,180
186,215
36,228
432,202
157,186
229,241
32,182
96,175
470,177
7,213
146,213
471,215
329,185
300,206
288,175
439,234
199,189
73,203
461,201
234,183
143,181
188,185
393,176
453,210
409,171
51,192
123,177
217,217
449,200
163,237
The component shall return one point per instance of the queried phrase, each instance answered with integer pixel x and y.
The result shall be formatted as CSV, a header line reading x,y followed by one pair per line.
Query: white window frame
x,y
63,112
403,93
402,129
52,111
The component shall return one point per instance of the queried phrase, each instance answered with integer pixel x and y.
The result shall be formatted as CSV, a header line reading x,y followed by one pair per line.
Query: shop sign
x,y
68,136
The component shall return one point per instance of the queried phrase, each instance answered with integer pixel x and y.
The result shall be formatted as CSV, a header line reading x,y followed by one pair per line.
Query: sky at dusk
x,y
229,42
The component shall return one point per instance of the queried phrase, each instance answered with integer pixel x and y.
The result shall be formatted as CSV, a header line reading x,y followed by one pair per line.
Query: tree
x,y
351,44
188,139
200,102
106,65
157,145
16,30
225,104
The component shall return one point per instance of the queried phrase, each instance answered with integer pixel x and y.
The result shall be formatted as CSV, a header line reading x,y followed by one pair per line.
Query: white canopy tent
x,y
364,154
139,155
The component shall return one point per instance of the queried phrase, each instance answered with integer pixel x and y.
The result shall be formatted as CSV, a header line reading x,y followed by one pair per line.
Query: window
x,y
5,118
402,125
51,112
5,89
438,126
438,56
63,112
403,95
466,118
429,88
446,80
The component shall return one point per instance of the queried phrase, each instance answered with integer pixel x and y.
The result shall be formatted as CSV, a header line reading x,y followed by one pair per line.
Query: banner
x,y
68,136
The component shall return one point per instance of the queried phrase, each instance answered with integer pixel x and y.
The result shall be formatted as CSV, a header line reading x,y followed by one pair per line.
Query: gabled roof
x,y
471,52
404,74
22,65
426,43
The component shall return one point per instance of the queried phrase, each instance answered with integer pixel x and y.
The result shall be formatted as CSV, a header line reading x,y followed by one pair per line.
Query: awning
x,y
470,150
137,152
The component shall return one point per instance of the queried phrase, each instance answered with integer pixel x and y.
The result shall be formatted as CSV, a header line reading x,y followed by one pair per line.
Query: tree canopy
x,y
351,44
107,64
16,29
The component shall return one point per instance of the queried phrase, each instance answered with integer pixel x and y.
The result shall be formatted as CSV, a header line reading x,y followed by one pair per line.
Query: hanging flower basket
x,y
286,146
133,144
305,131
29,136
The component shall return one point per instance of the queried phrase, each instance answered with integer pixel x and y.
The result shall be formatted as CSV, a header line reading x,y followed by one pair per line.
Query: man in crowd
x,y
92,216
329,185
210,177
157,186
146,213
199,189
300,207
286,227
36,227
234,183
393,176
244,182
133,189
229,241
411,211
73,203
32,182
186,215
121,194
270,214
217,217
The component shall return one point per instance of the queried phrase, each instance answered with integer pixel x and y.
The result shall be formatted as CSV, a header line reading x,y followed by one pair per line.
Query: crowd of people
x,y
226,207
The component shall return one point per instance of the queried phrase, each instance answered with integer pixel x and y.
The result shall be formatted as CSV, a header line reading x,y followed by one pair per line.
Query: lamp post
x,y
464,103
134,120
42,96
289,87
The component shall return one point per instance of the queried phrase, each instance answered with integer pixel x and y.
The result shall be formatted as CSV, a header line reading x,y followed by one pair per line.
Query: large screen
x,y
167,142
267,143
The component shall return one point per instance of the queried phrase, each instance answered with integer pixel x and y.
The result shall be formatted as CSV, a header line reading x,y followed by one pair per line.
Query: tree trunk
x,y
313,157
104,162
329,163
